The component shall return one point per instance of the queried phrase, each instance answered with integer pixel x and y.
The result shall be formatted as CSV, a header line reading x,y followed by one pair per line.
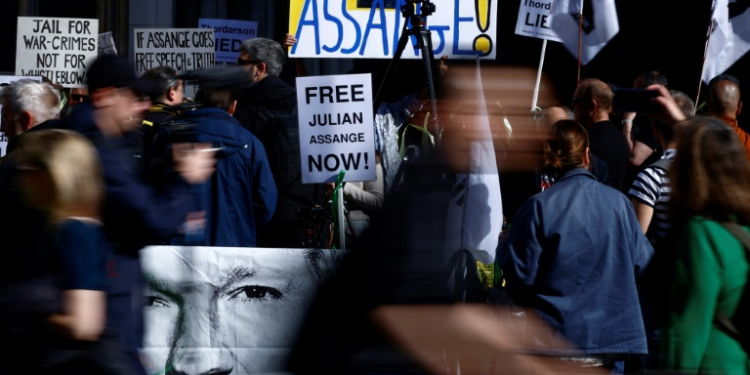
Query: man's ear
x,y
26,120
594,107
262,68
739,108
172,93
587,157
232,108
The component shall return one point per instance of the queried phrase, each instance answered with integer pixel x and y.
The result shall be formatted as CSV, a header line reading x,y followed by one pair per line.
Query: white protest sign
x,y
371,28
535,20
3,137
180,49
336,128
229,35
107,44
60,49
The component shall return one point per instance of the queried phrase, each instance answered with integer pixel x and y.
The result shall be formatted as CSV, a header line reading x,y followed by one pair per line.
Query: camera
x,y
635,100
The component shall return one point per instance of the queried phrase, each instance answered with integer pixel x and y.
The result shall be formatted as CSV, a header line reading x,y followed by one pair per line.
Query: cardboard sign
x,y
229,35
336,128
535,20
107,44
60,49
180,49
461,29
235,310
3,137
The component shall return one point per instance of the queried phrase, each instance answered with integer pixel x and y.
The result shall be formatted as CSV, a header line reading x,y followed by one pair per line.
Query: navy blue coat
x,y
573,254
241,196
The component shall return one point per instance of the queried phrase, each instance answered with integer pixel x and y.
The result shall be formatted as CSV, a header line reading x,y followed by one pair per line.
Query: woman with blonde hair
x,y
710,202
62,176
572,255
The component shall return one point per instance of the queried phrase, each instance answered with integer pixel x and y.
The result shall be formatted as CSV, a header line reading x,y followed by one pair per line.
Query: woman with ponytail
x,y
573,254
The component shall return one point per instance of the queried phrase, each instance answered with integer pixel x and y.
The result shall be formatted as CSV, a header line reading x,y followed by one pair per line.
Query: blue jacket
x,y
241,196
573,254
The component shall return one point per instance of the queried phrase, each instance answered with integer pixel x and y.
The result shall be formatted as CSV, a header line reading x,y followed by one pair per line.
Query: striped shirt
x,y
651,187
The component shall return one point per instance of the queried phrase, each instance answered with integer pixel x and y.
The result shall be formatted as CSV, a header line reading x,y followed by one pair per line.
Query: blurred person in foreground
x,y
27,103
579,276
62,176
402,258
139,210
240,198
710,179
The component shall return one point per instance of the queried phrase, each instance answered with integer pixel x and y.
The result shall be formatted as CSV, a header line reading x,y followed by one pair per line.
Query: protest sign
x,y
535,20
371,28
60,49
219,310
3,137
229,35
336,127
180,49
107,44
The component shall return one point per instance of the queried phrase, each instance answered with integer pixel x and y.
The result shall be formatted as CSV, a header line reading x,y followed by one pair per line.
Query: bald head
x,y
724,99
593,102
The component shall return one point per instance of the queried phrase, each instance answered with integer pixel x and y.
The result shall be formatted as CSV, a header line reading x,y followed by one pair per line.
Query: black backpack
x,y
278,130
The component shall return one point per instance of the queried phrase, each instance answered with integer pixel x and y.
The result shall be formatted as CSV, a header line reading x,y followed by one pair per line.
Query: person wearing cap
x,y
140,208
724,103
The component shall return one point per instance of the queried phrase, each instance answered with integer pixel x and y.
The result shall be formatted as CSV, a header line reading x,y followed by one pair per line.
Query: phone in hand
x,y
635,100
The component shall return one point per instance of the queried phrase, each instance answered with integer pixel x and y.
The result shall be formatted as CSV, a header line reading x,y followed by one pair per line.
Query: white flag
x,y
730,38
600,24
475,211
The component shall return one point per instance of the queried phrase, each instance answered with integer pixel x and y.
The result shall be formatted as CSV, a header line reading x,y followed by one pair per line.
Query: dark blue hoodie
x,y
241,196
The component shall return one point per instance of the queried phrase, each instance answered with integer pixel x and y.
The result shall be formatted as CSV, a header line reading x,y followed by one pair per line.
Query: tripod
x,y
424,43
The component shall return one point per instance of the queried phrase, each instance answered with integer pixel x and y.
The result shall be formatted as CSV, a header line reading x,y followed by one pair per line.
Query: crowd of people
x,y
627,245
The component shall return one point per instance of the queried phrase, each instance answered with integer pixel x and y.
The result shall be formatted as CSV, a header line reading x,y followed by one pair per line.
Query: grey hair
x,y
39,98
266,50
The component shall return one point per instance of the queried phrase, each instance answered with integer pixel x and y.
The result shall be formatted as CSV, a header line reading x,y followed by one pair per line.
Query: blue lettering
x,y
441,34
370,25
356,28
397,25
339,27
458,19
314,23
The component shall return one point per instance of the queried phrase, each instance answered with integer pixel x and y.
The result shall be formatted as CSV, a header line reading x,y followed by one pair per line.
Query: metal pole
x,y
340,220
539,76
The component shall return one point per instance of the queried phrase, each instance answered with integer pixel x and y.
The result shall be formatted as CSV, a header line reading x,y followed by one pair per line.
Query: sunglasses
x,y
79,97
248,61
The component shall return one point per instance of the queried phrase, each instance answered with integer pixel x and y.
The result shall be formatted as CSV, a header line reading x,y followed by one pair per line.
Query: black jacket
x,y
271,93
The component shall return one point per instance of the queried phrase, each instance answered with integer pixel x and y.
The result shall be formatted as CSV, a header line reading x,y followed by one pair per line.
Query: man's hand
x,y
289,41
194,162
667,111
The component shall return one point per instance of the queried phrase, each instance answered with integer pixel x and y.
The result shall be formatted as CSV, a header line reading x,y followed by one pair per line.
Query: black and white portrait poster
x,y
227,310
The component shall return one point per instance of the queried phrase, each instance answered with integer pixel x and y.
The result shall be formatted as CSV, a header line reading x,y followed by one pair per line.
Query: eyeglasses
x,y
248,61
79,98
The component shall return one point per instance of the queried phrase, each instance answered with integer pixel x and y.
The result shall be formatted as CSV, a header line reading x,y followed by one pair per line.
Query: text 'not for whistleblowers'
x,y
336,128
60,49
